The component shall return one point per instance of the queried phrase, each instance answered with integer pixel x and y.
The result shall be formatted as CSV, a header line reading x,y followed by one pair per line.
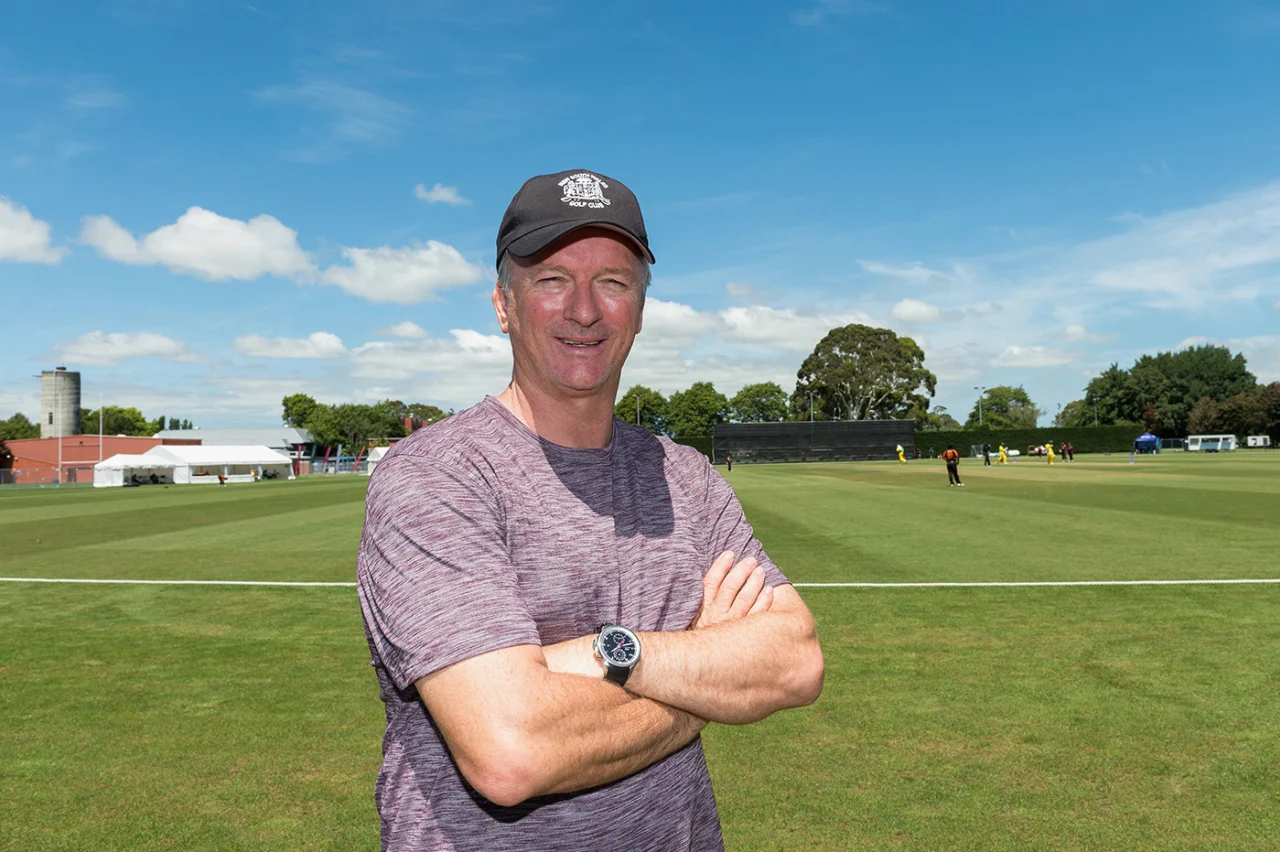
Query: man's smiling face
x,y
573,312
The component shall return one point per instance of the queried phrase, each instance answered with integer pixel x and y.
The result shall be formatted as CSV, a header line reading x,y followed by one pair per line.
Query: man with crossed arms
x,y
557,602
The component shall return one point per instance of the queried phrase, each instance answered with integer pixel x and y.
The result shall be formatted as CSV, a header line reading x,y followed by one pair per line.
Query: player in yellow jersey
x,y
1049,449
1004,455
902,458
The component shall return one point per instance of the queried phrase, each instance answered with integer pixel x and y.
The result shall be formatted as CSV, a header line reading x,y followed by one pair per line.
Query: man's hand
x,y
731,591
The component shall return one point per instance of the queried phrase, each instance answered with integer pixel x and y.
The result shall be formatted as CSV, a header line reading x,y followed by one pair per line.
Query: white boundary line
x,y
1039,583
172,582
797,585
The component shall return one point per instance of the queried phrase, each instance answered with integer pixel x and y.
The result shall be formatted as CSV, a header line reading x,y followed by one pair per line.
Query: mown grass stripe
x,y
797,585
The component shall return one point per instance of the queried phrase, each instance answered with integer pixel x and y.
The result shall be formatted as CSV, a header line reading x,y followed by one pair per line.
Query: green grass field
x,y
1099,717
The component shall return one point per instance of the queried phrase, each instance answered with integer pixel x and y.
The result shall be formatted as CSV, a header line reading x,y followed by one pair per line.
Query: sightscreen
x,y
857,440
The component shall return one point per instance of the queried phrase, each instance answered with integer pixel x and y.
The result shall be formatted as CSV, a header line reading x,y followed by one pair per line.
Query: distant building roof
x,y
281,437
221,454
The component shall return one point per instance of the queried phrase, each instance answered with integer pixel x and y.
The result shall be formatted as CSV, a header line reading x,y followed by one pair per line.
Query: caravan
x,y
1211,443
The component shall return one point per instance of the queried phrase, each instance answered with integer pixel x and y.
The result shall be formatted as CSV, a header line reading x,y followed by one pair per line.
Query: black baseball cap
x,y
549,206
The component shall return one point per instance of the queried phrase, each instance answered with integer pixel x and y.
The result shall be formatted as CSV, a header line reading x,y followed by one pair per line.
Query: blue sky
x,y
209,205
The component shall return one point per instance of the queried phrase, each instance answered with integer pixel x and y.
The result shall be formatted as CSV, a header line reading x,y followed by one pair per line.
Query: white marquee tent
x,y
196,465
119,470
375,456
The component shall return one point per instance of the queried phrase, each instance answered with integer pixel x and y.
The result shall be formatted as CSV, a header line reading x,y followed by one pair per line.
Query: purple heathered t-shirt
x,y
480,535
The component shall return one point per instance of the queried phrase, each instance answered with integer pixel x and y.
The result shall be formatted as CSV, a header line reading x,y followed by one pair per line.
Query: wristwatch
x,y
619,649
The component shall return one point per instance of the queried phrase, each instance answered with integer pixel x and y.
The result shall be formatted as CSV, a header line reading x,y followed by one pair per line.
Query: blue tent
x,y
1146,443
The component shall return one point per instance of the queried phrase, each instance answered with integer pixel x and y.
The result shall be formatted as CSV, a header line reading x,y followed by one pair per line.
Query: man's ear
x,y
500,308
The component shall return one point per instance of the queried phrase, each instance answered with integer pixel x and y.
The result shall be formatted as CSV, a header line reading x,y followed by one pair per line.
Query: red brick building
x,y
35,460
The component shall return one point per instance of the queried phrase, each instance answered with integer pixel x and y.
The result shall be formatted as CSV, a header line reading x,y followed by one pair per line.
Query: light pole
x,y
810,406
980,391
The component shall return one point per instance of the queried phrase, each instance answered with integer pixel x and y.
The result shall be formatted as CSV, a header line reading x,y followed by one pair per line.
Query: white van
x,y
1259,441
1211,443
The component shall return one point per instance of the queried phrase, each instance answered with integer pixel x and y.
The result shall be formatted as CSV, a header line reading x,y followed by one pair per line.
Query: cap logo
x,y
584,190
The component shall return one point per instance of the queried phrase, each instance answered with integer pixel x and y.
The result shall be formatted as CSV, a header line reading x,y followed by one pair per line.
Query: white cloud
x,y
1030,356
95,97
205,244
824,9
404,275
350,115
466,365
320,344
916,272
1078,334
916,311
740,292
784,328
98,347
407,330
23,237
1195,255
440,194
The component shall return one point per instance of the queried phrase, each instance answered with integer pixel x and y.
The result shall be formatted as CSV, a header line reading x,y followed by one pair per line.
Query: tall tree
x,y
174,424
693,413
858,372
1074,414
644,406
116,421
353,426
937,418
18,427
428,413
765,402
1161,390
298,408
1004,407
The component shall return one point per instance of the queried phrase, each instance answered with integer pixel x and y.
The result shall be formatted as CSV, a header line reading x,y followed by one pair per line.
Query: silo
x,y
59,403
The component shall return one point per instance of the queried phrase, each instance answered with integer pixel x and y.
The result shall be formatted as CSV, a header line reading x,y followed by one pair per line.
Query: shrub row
x,y
1086,439
702,445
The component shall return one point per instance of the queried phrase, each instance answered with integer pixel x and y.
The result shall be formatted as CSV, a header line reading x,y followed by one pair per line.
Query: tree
x,y
644,406
116,421
937,419
1105,394
174,424
1161,390
428,413
17,428
298,408
858,372
352,426
1004,407
693,413
186,424
765,402
1074,414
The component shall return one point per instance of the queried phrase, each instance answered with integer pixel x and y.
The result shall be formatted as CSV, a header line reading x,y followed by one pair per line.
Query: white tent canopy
x,y
194,464
375,456
121,468
234,463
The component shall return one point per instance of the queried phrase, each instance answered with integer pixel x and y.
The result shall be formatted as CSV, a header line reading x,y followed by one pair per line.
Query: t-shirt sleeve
x,y
730,530
434,575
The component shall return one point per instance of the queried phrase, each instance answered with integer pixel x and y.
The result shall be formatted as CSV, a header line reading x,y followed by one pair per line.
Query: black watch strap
x,y
617,674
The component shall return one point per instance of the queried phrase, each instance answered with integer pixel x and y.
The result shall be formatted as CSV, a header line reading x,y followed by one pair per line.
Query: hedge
x,y
1086,439
702,445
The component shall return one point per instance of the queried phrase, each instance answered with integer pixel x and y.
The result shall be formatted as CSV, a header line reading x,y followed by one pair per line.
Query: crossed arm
x,y
529,721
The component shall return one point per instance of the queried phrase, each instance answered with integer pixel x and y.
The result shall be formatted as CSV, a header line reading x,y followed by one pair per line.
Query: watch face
x,y
618,646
